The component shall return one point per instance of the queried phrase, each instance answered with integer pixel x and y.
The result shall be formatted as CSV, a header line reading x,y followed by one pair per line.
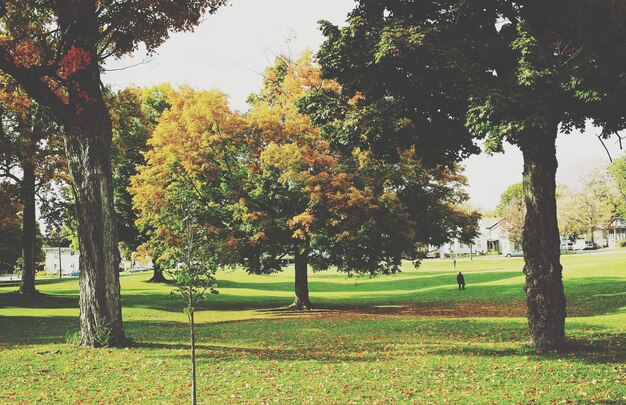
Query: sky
x,y
230,50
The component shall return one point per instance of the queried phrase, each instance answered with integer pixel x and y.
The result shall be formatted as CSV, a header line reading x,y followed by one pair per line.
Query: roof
x,y
618,223
489,223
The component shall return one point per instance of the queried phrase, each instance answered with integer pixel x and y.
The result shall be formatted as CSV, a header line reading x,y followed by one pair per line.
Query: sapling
x,y
193,267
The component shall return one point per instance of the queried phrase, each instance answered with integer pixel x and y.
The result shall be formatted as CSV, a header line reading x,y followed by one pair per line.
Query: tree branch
x,y
33,84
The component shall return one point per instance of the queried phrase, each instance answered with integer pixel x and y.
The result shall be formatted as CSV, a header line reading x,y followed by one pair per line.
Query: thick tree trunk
x,y
541,243
301,261
157,275
88,151
29,231
88,136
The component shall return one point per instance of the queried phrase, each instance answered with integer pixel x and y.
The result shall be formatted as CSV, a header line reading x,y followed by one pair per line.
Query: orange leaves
x,y
13,97
75,60
27,54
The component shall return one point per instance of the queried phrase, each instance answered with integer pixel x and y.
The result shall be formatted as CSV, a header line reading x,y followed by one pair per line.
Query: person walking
x,y
461,281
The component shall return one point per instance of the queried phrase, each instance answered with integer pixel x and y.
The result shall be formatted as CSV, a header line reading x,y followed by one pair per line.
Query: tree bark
x,y
301,261
545,298
88,136
29,230
88,151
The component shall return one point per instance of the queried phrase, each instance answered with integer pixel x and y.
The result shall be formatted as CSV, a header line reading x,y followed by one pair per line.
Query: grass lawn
x,y
410,337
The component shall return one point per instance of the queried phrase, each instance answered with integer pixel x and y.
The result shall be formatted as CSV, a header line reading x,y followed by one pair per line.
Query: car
x,y
515,253
567,245
582,244
75,273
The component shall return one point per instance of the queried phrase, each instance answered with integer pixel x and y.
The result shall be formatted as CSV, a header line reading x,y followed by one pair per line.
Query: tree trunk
x,y
545,298
301,261
29,232
88,145
193,357
88,136
157,275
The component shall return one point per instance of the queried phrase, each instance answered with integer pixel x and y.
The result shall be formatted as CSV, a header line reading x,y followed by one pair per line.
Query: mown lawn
x,y
410,337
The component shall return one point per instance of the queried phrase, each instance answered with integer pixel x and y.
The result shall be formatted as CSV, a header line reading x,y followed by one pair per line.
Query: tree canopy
x,y
440,74
273,189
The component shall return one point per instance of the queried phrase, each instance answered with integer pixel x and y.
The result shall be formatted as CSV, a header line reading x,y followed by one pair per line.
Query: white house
x,y
491,238
70,261
64,258
616,232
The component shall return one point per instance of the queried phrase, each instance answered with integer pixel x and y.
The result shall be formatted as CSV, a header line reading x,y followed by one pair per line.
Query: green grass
x,y
410,337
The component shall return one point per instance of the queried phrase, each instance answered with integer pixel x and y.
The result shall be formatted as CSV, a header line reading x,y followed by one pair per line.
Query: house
x,y
616,232
491,238
64,258
70,259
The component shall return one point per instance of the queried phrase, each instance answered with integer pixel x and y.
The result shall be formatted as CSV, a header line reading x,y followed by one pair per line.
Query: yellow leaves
x,y
358,96
362,157
302,225
258,237
193,137
274,113
302,220
299,234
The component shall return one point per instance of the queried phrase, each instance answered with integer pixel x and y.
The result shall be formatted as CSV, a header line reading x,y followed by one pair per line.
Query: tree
x,y
617,171
134,114
355,211
193,264
54,51
594,207
272,188
437,74
512,210
10,247
31,158
187,160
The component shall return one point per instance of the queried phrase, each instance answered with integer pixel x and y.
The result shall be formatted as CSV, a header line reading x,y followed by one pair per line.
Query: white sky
x,y
231,49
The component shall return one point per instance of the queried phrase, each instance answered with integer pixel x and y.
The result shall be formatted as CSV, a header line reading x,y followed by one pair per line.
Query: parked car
x,y
567,245
515,253
582,244
75,273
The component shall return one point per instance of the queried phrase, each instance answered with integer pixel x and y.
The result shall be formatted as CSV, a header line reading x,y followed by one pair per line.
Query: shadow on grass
x,y
333,339
380,283
584,299
40,300
31,330
347,345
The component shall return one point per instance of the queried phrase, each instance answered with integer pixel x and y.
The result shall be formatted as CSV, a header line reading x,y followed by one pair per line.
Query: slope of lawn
x,y
410,337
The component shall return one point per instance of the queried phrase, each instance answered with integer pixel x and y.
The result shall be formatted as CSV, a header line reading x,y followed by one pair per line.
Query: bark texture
x,y
301,263
88,151
88,136
545,297
29,238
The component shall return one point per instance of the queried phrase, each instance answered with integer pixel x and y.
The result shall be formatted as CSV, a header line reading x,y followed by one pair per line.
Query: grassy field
x,y
410,337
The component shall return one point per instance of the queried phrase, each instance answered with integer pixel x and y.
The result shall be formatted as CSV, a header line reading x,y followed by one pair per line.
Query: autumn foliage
x,y
269,187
